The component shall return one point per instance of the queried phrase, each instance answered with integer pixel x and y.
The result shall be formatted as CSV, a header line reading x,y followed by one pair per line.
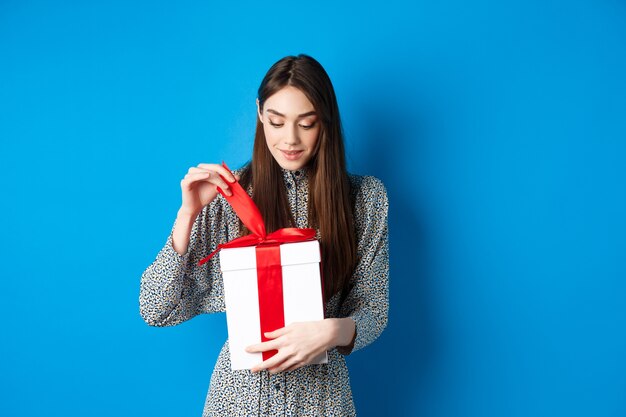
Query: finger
x,y
196,169
294,367
212,167
219,176
263,347
220,170
199,174
285,365
221,184
214,176
270,363
189,179
277,333
209,177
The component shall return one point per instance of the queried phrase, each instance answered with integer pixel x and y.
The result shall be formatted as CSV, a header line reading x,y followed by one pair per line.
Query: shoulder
x,y
367,189
370,204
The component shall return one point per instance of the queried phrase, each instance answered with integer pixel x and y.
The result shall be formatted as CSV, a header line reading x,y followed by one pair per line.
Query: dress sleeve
x,y
367,303
174,288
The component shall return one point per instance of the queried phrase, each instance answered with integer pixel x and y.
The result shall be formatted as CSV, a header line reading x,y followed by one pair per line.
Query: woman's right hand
x,y
199,187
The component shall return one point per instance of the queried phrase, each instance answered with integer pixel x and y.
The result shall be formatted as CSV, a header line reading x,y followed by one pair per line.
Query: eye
x,y
307,127
276,124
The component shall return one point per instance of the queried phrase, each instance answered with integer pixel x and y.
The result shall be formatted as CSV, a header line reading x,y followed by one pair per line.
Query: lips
x,y
292,155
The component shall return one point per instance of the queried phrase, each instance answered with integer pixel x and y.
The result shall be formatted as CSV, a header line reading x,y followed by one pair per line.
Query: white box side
x,y
302,296
242,317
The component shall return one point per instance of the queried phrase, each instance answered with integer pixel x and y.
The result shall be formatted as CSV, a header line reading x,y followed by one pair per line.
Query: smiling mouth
x,y
292,155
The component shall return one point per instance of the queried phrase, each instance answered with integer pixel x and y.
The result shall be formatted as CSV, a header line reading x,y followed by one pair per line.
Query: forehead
x,y
289,101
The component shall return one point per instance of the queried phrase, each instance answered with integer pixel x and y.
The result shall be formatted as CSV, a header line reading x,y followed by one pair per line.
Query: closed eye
x,y
307,127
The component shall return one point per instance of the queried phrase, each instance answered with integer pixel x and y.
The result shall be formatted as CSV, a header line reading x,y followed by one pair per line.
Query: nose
x,y
291,136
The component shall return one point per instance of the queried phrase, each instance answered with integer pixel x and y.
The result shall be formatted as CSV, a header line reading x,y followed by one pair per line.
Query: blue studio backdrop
x,y
498,127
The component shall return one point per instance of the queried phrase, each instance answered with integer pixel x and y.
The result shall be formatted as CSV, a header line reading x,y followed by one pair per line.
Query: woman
x,y
297,178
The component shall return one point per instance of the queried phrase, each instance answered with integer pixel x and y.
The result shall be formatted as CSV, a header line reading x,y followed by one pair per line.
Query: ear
x,y
258,110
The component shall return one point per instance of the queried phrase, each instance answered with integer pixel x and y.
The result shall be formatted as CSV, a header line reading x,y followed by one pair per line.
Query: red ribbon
x,y
269,269
270,284
251,217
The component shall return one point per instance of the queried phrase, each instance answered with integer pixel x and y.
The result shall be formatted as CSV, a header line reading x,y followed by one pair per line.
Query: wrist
x,y
341,331
182,229
186,216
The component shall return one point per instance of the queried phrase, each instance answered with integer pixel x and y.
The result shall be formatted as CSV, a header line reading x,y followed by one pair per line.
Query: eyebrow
x,y
311,113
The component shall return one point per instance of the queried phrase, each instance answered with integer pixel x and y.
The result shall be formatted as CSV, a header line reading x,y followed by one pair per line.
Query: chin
x,y
291,166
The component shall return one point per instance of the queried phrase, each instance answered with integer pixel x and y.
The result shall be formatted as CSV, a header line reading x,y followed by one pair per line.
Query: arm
x,y
368,301
174,288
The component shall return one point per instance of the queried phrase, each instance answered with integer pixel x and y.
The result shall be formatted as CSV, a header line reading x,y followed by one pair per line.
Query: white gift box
x,y
302,295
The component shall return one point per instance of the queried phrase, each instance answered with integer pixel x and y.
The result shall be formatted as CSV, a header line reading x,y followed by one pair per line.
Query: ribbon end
x,y
207,258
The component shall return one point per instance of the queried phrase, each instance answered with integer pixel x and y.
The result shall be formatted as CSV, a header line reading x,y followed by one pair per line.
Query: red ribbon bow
x,y
251,217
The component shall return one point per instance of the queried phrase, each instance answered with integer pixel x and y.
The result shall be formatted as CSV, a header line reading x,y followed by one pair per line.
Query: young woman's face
x,y
291,127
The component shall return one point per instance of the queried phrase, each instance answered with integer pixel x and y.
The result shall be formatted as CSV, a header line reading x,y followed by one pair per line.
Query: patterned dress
x,y
174,289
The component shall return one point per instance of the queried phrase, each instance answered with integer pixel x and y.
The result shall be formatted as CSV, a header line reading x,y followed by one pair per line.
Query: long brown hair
x,y
330,206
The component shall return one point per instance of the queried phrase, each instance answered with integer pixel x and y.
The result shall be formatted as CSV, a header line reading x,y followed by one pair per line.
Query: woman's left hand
x,y
298,344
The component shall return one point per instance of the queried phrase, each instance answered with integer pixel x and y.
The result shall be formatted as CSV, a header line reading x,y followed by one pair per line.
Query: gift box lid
x,y
233,259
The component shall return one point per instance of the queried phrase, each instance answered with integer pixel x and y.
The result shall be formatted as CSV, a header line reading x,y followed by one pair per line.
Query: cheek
x,y
270,136
312,138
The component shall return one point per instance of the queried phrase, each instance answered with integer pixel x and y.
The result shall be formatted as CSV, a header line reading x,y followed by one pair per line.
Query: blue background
x,y
499,129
